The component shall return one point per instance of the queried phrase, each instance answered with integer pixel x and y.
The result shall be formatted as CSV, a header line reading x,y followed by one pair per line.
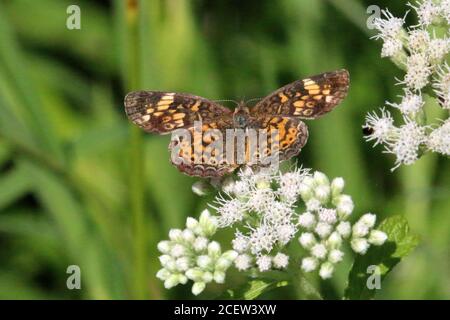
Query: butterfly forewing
x,y
308,98
163,112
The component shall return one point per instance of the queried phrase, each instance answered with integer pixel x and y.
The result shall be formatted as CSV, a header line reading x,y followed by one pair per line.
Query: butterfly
x,y
281,112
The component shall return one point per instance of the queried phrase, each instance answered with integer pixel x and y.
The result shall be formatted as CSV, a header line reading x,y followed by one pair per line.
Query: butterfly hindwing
x,y
163,112
308,98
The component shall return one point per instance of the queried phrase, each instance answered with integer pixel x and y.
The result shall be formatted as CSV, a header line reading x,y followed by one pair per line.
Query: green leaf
x,y
399,244
254,288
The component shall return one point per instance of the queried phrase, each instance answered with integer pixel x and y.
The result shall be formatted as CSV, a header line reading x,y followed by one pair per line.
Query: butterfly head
x,y
241,115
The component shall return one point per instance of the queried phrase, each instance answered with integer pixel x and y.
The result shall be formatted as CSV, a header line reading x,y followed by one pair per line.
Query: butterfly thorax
x,y
241,116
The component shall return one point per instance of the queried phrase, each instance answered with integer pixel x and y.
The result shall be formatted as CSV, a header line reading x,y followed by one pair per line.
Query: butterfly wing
x,y
308,98
285,135
163,112
201,151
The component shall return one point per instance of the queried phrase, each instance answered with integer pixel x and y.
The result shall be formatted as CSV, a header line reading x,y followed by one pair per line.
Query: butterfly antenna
x,y
227,100
254,99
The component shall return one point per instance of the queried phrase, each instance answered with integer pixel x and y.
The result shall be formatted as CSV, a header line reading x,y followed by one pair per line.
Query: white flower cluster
x,y
324,226
264,207
423,51
189,254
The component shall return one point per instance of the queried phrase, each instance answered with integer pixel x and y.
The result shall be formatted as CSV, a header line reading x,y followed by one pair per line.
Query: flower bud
x,y
360,245
163,274
326,270
191,223
307,240
223,264
344,205
280,261
377,237
319,251
322,193
195,274
323,229
309,264
188,236
207,277
335,256
164,246
182,264
306,192
306,220
182,279
178,250
200,244
204,261
230,255
198,288
360,230
164,259
176,235
214,249
334,240
172,281
344,228
219,276
368,219
337,186
320,179
201,188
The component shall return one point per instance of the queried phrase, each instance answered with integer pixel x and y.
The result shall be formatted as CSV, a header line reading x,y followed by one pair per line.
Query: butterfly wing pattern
x,y
196,153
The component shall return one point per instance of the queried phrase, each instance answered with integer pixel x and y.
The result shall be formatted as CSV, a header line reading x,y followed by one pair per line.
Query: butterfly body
x,y
208,128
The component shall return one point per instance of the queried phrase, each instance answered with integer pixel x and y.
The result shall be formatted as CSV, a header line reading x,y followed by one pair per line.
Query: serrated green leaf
x,y
399,244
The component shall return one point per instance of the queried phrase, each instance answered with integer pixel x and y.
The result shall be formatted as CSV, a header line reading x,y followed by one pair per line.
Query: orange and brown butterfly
x,y
164,112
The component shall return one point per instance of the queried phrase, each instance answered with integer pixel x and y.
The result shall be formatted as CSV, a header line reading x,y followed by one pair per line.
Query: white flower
x,y
319,251
326,270
164,246
278,213
406,145
439,139
377,237
344,228
264,263
261,200
328,215
382,126
335,256
285,233
307,240
445,9
360,245
230,211
289,184
243,262
427,11
410,105
204,261
241,188
176,235
418,71
389,26
309,264
441,85
438,49
391,47
240,242
262,238
306,220
323,229
322,193
182,264
419,40
280,261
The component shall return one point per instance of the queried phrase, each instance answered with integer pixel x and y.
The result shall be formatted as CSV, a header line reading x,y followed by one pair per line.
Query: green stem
x,y
137,169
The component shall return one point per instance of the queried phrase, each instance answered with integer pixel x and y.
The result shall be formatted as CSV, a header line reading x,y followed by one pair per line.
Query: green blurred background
x,y
79,185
